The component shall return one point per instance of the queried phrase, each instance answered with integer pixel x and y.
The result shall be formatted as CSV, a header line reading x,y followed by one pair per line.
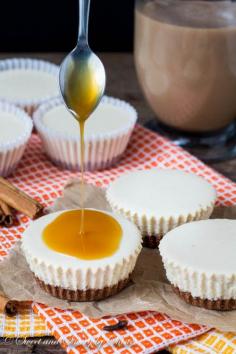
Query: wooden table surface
x,y
121,83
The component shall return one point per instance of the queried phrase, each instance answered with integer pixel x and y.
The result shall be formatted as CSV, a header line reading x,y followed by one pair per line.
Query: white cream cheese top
x,y
26,84
161,193
199,258
34,246
107,118
69,272
206,246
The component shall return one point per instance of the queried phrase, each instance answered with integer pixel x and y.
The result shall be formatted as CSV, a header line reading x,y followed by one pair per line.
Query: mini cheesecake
x,y
16,127
92,269
21,84
160,200
200,263
28,82
107,133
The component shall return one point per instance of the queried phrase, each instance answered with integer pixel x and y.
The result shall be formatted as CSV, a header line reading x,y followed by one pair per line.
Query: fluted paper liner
x,y
12,151
149,289
100,151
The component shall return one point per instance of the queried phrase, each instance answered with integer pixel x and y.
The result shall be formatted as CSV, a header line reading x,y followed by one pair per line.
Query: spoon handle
x,y
84,6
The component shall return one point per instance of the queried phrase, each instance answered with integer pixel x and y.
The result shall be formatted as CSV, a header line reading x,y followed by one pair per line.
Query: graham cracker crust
x,y
83,295
151,241
218,305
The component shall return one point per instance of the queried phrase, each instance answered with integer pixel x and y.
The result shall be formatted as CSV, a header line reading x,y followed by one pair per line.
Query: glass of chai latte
x,y
185,56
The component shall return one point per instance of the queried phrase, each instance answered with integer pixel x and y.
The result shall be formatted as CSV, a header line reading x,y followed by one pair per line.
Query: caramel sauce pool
x,y
101,237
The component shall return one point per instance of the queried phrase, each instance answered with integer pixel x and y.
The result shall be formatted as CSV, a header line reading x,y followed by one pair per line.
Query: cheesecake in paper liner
x,y
199,259
159,200
17,127
149,289
26,98
107,133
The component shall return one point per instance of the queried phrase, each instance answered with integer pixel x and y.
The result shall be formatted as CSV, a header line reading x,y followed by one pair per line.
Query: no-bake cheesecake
x,y
16,127
28,82
85,267
159,200
107,133
200,262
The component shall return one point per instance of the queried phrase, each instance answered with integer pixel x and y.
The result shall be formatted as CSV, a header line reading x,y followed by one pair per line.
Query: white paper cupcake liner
x,y
30,105
11,152
101,150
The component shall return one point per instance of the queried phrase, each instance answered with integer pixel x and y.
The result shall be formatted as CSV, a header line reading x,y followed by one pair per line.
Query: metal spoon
x,y
82,76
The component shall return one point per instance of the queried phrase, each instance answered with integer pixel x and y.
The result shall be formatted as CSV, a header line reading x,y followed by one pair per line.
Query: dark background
x,y
51,25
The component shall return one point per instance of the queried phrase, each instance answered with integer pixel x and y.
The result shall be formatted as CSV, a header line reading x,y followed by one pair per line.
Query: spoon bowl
x,y
82,75
82,81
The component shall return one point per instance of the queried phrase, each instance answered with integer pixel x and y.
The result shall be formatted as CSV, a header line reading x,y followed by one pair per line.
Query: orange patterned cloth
x,y
148,331
25,324
214,342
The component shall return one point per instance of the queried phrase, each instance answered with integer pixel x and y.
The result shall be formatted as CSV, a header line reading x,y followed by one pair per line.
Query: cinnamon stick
x,y
9,307
19,200
6,214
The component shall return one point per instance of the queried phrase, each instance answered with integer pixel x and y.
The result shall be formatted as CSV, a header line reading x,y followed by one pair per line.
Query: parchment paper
x,y
149,289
